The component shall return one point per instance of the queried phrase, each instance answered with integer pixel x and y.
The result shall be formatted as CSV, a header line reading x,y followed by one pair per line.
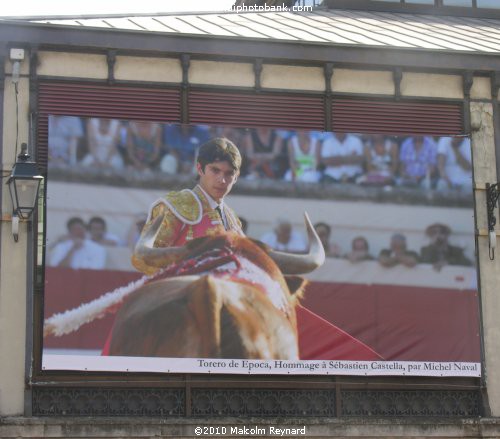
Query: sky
x,y
75,7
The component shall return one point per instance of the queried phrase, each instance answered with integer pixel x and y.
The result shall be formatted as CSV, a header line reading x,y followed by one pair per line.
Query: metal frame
x,y
184,395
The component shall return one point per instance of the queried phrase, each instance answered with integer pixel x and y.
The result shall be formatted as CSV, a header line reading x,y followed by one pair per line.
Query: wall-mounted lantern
x,y
24,184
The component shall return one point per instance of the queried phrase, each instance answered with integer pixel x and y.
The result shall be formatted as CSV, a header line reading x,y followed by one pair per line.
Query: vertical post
x,y
111,61
32,322
495,86
3,57
257,69
33,104
328,73
397,76
185,61
468,80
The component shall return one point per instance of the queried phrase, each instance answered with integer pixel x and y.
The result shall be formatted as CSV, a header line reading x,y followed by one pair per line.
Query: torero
x,y
182,216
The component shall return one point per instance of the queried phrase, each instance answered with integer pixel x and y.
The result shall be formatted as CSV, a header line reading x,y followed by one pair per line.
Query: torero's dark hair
x,y
219,149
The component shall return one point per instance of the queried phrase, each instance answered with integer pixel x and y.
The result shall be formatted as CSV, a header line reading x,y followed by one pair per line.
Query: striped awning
x,y
324,27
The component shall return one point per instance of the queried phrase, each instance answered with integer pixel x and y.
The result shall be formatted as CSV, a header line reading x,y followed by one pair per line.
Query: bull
x,y
224,296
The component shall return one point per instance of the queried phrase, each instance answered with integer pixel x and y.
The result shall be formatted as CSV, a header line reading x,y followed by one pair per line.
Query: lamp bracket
x,y
8,218
492,195
15,227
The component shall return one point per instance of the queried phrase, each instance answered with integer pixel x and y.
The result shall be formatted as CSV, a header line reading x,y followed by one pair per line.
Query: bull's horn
x,y
300,264
154,256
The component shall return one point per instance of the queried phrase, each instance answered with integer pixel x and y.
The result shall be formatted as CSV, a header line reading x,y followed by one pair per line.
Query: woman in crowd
x,y
102,141
143,144
381,160
304,155
263,149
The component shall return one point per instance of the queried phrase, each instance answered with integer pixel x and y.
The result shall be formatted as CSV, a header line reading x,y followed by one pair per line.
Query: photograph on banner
x,y
213,249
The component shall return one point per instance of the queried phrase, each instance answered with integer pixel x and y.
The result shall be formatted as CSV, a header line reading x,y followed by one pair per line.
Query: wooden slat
x,y
94,100
254,110
389,117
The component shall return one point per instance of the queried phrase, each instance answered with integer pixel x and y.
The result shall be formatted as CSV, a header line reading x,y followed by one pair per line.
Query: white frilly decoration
x,y
71,320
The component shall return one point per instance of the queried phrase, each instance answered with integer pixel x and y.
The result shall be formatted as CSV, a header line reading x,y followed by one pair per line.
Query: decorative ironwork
x,y
492,195
263,403
108,402
214,403
463,403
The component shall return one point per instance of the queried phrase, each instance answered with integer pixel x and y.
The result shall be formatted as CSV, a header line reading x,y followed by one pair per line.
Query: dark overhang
x,y
81,39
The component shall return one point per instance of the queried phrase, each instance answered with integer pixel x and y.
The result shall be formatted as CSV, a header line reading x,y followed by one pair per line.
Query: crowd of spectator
x,y
439,252
425,162
84,245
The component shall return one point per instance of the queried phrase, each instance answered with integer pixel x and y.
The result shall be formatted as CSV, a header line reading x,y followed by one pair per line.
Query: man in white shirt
x,y
454,164
98,232
76,251
342,155
284,238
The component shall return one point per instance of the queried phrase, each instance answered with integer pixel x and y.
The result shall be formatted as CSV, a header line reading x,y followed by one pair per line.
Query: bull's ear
x,y
296,284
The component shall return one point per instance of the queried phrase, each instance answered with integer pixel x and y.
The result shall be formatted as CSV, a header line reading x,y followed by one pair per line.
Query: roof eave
x,y
61,37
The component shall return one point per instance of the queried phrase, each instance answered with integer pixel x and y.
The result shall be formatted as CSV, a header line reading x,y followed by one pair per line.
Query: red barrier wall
x,y
403,323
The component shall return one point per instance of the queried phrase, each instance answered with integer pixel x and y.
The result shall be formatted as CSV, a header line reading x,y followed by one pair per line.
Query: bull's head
x,y
288,263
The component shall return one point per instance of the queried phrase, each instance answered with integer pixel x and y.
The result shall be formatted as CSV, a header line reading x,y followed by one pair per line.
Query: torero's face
x,y
217,179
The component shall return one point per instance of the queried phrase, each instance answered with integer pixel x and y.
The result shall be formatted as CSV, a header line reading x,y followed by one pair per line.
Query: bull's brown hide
x,y
246,311
203,317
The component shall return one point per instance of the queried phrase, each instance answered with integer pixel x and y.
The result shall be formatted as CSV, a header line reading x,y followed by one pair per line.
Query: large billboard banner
x,y
210,249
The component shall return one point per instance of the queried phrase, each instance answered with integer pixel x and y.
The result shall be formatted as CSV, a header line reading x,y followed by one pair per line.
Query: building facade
x,y
376,68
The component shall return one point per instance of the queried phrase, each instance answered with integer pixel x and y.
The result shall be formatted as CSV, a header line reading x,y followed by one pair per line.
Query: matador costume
x,y
187,215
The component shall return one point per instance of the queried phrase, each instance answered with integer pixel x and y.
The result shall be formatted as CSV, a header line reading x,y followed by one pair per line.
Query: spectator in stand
x,y
99,234
324,231
382,161
360,250
418,162
143,145
264,151
65,133
76,251
304,155
398,253
182,142
102,140
440,252
342,158
454,164
284,238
